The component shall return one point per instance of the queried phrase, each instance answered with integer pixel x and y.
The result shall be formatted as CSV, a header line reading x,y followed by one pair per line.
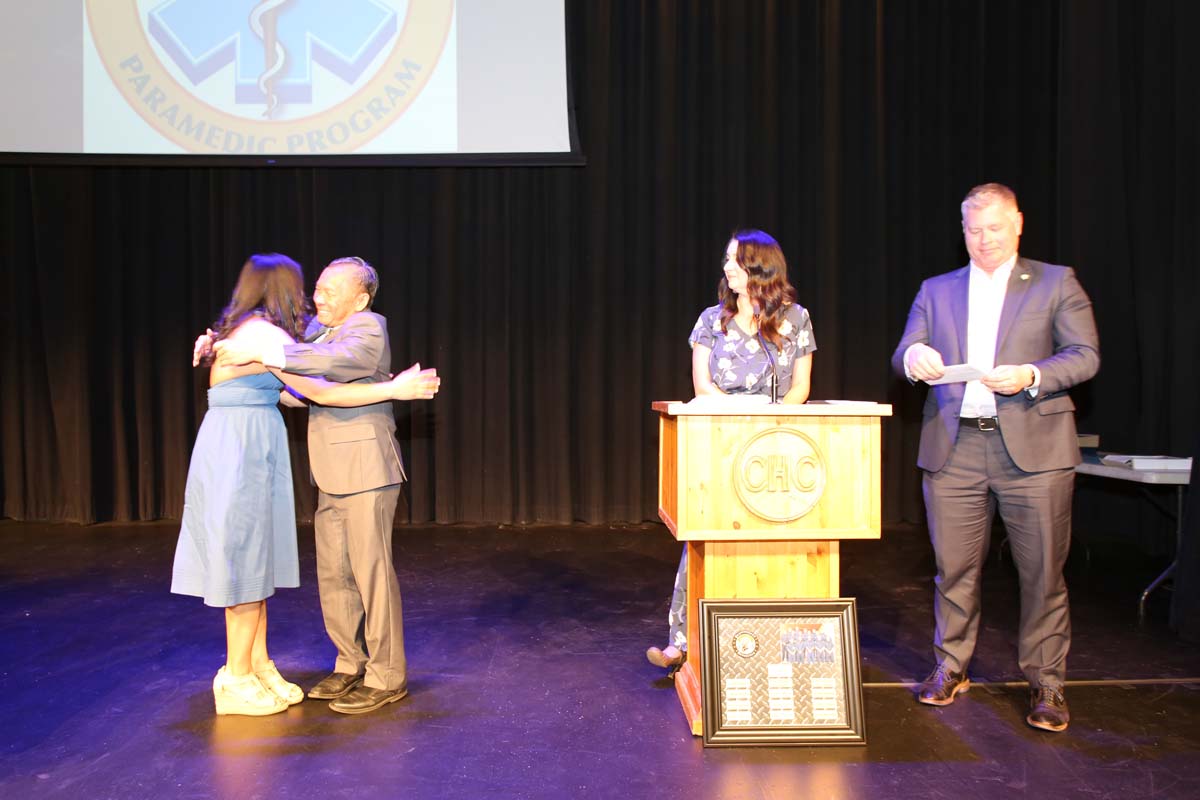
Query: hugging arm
x,y
413,383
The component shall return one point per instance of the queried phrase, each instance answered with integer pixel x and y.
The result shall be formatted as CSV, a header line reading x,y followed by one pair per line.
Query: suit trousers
x,y
960,501
360,595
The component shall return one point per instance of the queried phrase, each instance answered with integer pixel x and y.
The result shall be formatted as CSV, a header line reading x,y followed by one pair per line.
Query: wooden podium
x,y
761,495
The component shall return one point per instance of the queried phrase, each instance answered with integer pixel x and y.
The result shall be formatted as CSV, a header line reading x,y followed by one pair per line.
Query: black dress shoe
x,y
1048,709
364,699
334,685
941,686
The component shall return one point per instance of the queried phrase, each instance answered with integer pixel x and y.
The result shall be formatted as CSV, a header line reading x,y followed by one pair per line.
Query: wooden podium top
x,y
815,408
740,469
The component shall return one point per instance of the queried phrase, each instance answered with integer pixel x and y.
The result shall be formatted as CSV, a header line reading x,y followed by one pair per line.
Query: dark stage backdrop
x,y
556,302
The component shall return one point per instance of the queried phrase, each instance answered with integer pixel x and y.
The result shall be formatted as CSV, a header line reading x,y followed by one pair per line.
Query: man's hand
x,y
924,363
231,353
415,383
203,346
1008,378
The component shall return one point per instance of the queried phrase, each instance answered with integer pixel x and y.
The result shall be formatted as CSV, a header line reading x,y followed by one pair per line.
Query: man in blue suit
x,y
1005,441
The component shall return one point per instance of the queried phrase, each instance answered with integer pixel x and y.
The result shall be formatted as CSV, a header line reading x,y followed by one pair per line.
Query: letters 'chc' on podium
x,y
761,495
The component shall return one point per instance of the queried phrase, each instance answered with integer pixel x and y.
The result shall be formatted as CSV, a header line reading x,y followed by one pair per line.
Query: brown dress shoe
x,y
1048,709
941,686
669,657
334,685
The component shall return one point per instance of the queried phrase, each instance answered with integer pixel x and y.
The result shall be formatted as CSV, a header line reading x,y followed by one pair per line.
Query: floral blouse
x,y
739,365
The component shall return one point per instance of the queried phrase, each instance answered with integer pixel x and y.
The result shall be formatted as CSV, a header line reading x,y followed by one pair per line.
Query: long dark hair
x,y
767,284
270,286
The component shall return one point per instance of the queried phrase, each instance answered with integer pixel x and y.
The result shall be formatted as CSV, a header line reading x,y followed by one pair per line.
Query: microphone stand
x,y
774,371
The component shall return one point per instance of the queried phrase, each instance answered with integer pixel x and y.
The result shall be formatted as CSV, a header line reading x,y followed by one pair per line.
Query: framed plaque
x,y
780,672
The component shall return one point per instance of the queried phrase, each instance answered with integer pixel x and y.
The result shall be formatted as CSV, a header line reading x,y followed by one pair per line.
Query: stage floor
x,y
528,680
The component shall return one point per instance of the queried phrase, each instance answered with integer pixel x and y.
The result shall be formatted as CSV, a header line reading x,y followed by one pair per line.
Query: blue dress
x,y
237,543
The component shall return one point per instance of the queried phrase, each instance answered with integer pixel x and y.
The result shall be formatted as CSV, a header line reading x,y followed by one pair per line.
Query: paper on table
x,y
842,402
720,402
958,373
1147,462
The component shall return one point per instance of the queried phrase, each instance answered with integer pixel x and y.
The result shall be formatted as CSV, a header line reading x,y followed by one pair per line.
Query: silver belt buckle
x,y
987,423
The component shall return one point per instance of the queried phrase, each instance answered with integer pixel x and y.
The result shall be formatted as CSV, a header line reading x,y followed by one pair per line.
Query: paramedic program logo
x,y
243,77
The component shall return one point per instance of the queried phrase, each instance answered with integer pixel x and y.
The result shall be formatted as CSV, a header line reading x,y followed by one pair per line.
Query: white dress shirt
x,y
985,301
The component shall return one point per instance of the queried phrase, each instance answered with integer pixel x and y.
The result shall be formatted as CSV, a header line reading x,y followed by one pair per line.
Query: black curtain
x,y
556,302
1185,600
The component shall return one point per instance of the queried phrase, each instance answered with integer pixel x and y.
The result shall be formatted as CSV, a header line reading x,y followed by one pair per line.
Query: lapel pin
x,y
1024,276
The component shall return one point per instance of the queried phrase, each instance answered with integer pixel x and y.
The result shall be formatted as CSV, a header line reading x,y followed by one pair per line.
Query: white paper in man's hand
x,y
958,373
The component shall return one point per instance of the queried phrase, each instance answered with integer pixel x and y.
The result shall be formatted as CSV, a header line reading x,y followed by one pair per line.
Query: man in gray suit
x,y
1006,440
356,466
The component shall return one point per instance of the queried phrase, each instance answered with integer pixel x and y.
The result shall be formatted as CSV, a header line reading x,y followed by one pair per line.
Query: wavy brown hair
x,y
270,286
766,284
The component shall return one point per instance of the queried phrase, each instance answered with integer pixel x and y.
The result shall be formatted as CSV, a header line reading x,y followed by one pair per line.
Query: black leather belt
x,y
980,423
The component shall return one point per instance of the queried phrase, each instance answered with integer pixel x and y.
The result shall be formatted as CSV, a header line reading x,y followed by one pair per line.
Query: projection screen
x,y
276,81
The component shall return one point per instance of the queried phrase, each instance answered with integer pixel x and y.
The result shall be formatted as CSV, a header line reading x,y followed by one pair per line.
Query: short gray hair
x,y
987,194
367,277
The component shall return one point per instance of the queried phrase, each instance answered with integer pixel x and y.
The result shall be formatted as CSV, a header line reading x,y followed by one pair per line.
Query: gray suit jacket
x,y
350,449
1046,321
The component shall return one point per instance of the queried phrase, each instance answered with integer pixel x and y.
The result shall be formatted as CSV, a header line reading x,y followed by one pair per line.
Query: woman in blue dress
x,y
754,337
237,542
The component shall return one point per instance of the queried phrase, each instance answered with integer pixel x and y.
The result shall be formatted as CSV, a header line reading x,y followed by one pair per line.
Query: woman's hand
x,y
415,383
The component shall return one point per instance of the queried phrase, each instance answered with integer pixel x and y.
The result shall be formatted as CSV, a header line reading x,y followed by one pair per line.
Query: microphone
x,y
774,371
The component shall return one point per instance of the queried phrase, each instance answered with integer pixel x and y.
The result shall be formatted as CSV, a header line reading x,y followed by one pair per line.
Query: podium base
x,y
687,686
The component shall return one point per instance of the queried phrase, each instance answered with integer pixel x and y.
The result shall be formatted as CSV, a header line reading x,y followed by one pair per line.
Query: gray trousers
x,y
360,595
960,501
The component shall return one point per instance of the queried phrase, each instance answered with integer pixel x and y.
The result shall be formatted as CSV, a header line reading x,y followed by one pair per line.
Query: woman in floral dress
x,y
755,336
